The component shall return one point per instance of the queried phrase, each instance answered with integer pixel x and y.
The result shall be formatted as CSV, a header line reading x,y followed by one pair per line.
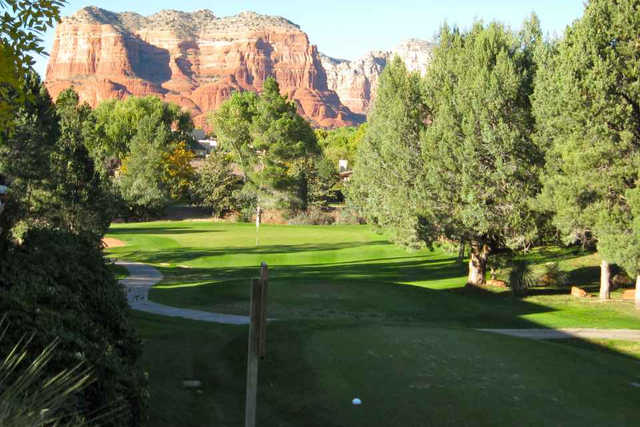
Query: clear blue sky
x,y
350,28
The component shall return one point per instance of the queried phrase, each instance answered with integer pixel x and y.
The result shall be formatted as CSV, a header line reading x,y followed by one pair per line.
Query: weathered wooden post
x,y
257,341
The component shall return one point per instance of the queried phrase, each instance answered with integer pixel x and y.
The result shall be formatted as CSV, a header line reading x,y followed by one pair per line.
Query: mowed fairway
x,y
355,316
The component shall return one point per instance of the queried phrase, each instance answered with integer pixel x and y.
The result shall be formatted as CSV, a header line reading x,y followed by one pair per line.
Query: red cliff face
x,y
193,59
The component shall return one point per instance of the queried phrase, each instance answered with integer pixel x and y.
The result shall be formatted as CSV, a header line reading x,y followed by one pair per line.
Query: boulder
x,y
497,283
579,293
547,280
629,294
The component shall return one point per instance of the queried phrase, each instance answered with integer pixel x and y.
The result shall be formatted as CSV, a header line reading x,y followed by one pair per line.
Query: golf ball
x,y
356,401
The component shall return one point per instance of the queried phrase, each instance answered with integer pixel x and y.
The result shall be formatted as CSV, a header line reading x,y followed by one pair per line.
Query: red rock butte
x,y
195,60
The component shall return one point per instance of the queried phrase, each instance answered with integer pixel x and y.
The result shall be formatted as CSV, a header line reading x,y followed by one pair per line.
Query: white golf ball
x,y
356,401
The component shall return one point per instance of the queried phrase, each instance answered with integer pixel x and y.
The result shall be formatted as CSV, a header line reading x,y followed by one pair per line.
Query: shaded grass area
x,y
357,316
406,375
119,271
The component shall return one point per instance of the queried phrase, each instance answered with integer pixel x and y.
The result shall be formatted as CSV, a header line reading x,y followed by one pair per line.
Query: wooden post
x,y
257,341
262,337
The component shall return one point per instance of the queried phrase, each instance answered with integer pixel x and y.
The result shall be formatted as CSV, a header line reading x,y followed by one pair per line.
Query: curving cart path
x,y
142,277
567,333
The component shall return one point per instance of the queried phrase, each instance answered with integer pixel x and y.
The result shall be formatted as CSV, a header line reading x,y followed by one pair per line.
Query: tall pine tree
x,y
386,181
587,103
481,166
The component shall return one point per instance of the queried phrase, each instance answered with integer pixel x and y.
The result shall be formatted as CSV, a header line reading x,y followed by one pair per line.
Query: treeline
x,y
511,140
282,163
54,284
71,355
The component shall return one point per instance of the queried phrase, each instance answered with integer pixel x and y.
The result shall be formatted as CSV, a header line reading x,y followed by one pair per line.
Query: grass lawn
x,y
357,316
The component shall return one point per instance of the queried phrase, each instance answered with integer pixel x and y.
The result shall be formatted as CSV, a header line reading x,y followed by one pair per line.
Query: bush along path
x,y
143,276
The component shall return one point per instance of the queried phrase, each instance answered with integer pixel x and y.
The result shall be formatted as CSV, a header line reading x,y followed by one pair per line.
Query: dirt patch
x,y
110,242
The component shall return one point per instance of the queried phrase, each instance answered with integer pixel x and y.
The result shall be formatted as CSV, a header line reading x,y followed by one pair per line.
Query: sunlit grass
x,y
360,317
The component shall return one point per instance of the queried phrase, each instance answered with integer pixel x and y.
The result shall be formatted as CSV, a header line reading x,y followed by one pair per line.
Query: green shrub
x,y
215,185
313,216
32,396
56,285
553,276
521,278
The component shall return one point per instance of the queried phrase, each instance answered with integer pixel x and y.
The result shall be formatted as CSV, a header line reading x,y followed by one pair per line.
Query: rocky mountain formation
x,y
198,59
355,82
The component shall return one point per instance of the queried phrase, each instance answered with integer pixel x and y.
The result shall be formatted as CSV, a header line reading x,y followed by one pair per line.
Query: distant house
x,y
343,170
204,146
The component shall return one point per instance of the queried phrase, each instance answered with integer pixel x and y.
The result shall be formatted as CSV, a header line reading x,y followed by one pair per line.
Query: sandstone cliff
x,y
194,59
355,82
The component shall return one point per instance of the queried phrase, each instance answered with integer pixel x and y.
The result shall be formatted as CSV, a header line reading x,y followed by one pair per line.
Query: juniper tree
x,y
481,165
81,200
587,103
386,179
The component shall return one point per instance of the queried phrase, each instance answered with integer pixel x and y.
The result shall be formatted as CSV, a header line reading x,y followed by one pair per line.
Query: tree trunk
x,y
478,264
638,292
461,250
605,280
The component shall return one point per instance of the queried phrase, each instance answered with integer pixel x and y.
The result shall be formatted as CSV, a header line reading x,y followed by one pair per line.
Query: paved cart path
x,y
142,277
561,334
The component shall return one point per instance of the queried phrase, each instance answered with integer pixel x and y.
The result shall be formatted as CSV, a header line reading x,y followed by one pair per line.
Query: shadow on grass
x,y
376,292
161,230
584,275
186,254
342,298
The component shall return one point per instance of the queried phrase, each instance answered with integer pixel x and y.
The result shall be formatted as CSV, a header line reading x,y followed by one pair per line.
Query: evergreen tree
x,y
215,184
481,167
283,140
385,185
25,156
81,201
270,142
587,104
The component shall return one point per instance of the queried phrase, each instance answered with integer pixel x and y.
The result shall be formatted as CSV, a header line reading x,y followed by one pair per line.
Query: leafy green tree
x,y
270,142
231,123
178,171
341,143
323,182
22,22
116,123
144,146
21,25
481,165
141,180
281,137
215,185
386,183
587,105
